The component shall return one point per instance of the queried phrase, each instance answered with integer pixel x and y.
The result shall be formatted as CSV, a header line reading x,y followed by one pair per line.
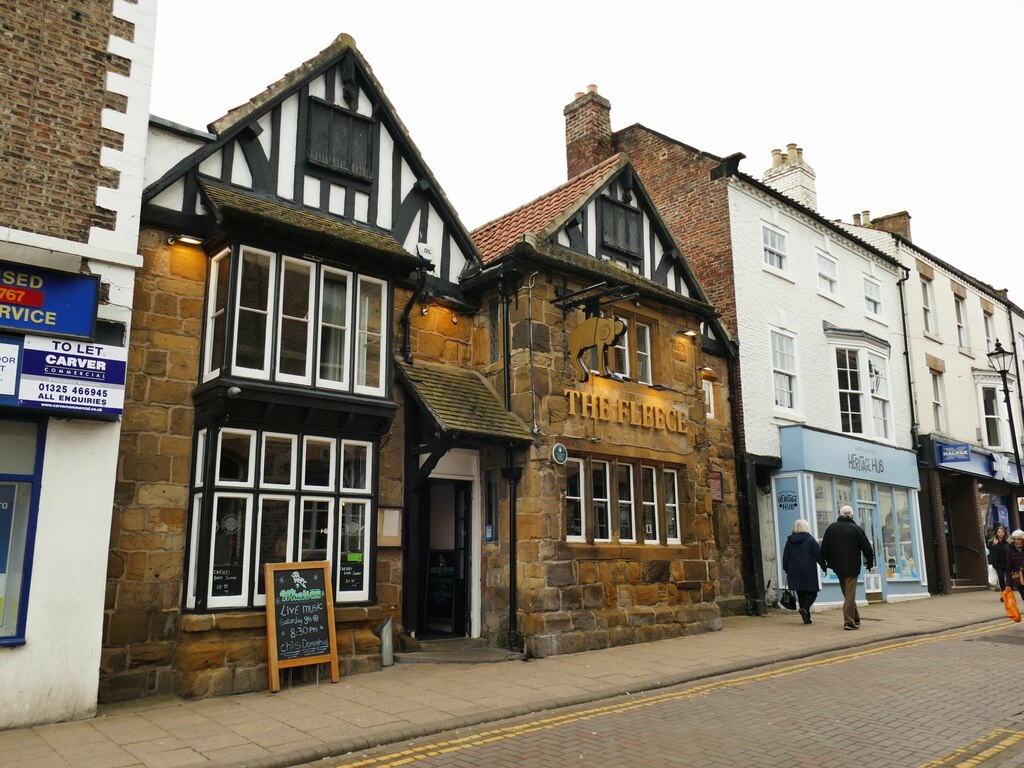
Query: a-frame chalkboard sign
x,y
300,618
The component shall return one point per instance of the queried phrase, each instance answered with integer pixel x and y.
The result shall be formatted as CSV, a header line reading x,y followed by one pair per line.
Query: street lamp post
x,y
1000,359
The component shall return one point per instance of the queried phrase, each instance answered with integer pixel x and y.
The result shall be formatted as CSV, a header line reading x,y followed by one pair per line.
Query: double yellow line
x,y
407,756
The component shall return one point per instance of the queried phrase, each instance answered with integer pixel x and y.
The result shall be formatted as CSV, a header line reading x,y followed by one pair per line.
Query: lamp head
x,y
1000,358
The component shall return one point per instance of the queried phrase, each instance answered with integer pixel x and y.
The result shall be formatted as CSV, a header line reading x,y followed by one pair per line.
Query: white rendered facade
x,y
953,322
825,392
50,657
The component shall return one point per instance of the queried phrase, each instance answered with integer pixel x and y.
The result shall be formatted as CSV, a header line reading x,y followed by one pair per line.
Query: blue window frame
x,y
20,467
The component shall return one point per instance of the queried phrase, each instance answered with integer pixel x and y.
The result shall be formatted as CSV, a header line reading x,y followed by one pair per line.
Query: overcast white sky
x,y
898,104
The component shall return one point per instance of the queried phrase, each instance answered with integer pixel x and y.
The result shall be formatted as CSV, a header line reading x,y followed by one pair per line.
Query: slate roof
x,y
461,402
228,201
340,44
546,212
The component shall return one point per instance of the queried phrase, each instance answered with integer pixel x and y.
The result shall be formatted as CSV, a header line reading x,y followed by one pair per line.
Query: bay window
x,y
276,498
281,318
862,378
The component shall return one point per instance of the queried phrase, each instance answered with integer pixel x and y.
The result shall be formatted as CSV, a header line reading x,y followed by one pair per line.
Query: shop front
x,y
970,491
820,473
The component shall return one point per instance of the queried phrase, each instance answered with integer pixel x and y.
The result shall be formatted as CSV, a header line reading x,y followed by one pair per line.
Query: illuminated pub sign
x,y
47,302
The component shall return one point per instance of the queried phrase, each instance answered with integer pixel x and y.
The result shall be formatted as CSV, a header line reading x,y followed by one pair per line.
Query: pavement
x,y
308,722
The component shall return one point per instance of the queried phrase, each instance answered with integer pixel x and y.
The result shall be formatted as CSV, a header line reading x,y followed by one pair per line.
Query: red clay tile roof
x,y
495,237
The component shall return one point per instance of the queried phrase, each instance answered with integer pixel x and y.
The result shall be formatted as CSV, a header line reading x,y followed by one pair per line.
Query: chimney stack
x,y
856,219
791,176
897,223
865,218
588,131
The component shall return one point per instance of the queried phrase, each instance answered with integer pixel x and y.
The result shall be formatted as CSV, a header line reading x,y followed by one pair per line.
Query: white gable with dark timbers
x,y
325,139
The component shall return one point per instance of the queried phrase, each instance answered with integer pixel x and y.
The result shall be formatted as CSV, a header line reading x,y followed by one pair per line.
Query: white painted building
x,y
66,287
969,471
825,391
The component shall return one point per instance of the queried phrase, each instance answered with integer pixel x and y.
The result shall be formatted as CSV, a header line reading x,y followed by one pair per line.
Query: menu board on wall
x,y
300,618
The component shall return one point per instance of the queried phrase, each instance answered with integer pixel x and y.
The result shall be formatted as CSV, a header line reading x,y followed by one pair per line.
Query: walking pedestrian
x,y
1015,561
841,549
800,562
997,557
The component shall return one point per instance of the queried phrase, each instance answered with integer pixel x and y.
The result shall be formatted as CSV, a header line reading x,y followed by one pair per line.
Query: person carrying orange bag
x,y
1010,601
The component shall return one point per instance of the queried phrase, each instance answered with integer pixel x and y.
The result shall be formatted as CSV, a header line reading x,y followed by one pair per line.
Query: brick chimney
x,y
588,131
791,176
897,223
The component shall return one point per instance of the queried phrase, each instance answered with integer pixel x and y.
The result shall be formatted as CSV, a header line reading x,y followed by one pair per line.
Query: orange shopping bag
x,y
1010,601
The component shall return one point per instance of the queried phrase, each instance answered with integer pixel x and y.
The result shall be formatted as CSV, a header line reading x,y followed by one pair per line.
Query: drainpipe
x,y
1016,364
510,472
750,559
906,359
533,386
421,281
941,575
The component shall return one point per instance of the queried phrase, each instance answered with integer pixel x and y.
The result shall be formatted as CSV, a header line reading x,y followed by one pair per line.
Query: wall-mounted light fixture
x,y
455,319
689,332
184,240
423,309
706,369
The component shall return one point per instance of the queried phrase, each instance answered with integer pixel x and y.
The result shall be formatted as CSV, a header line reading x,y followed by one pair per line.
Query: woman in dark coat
x,y
800,562
1015,560
997,556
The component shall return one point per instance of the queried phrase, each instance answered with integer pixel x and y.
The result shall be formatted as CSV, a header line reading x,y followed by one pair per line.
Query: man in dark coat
x,y
841,549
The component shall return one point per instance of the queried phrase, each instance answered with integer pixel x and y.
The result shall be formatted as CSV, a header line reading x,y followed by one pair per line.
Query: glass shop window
x,y
20,467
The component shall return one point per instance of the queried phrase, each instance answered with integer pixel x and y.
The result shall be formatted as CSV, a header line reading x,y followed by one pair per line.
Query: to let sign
x,y
47,302
72,376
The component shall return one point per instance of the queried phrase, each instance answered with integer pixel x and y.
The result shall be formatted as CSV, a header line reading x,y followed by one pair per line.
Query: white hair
x,y
1017,534
846,511
801,526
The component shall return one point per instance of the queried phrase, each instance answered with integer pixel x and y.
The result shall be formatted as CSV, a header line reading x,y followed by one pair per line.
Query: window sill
x,y
256,618
966,352
834,299
879,319
933,337
791,417
778,273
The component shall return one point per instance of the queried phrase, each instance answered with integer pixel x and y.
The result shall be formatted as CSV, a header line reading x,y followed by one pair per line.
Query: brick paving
x,y
305,723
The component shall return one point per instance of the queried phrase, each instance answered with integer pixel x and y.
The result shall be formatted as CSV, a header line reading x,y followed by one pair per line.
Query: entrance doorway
x,y
442,559
448,561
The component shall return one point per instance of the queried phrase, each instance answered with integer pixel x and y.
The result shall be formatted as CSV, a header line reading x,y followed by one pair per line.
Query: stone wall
x,y
581,596
147,540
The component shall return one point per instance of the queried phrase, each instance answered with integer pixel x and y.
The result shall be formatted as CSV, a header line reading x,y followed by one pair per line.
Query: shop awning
x,y
461,403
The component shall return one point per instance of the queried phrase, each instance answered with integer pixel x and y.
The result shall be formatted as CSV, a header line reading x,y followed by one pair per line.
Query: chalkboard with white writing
x,y
300,618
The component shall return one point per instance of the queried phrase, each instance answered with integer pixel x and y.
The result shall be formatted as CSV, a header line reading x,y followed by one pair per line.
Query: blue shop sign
x,y
954,452
47,302
810,450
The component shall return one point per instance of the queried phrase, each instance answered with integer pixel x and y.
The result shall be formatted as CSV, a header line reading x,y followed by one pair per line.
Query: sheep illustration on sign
x,y
599,333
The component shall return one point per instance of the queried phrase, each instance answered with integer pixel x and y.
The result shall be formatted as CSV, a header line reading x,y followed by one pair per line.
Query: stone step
x,y
465,656
444,644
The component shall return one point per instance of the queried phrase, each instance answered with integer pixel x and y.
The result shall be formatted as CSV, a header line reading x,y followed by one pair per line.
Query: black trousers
x,y
806,599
